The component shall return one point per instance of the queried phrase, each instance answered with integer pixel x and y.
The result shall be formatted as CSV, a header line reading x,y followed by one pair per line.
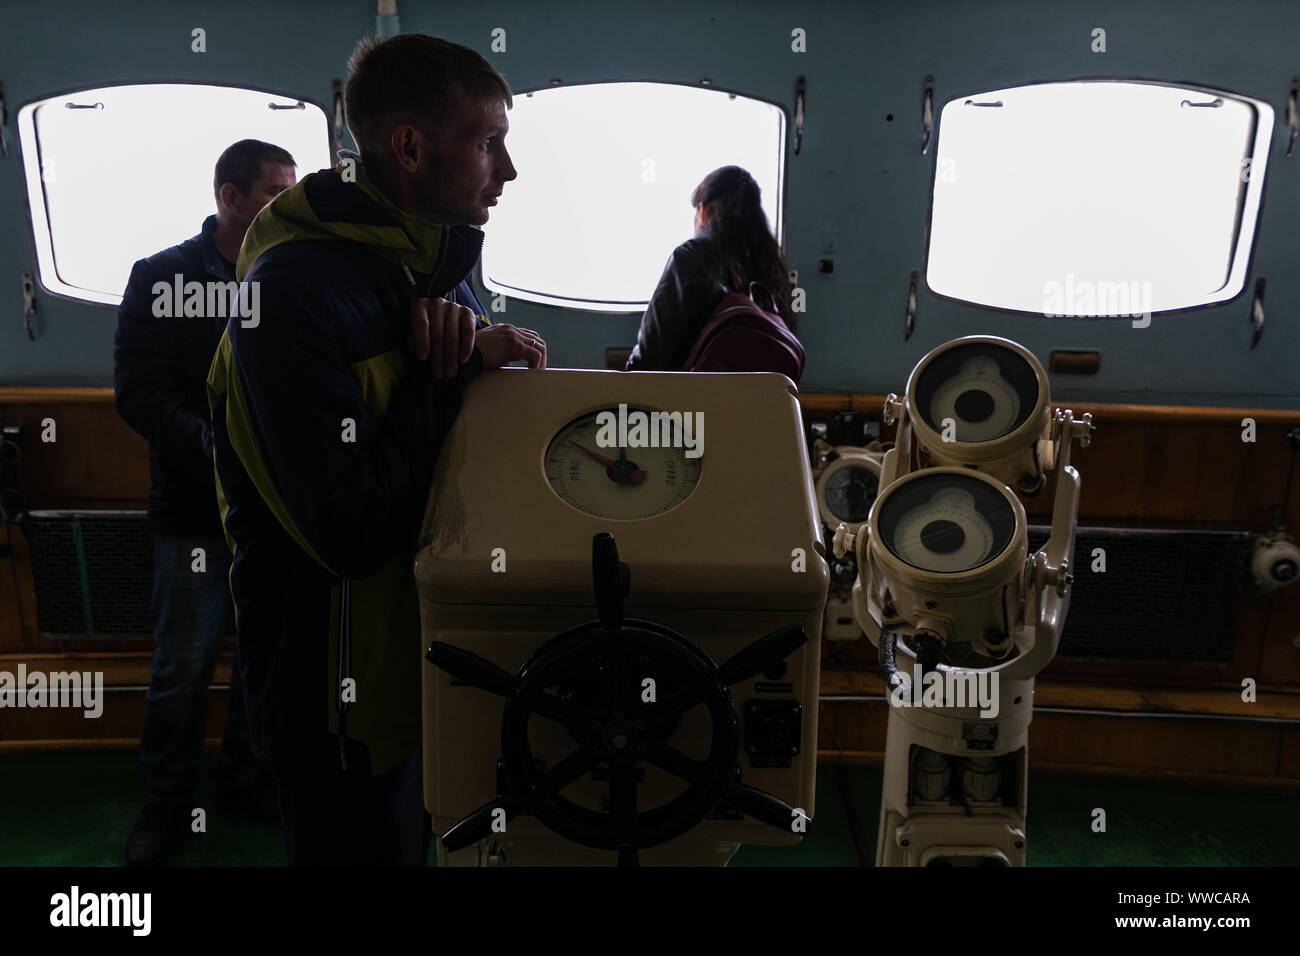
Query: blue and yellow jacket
x,y
325,434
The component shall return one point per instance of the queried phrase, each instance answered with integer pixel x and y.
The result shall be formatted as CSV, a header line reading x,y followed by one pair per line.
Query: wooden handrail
x,y
825,403
11,395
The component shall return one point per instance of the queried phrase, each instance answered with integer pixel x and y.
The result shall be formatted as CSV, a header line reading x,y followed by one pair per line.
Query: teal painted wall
x,y
857,174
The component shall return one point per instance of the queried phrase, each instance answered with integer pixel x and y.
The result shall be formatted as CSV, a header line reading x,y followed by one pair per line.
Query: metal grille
x,y
93,572
1166,596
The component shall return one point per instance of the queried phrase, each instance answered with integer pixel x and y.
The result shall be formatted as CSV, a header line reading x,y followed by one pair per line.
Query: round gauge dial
x,y
946,533
620,482
850,492
983,404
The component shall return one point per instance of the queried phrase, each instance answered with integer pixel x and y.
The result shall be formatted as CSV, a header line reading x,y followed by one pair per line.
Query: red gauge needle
x,y
634,476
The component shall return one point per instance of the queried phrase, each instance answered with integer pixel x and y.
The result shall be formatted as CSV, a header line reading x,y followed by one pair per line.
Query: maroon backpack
x,y
742,336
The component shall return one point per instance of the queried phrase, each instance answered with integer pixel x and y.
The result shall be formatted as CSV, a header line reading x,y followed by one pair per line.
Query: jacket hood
x,y
342,203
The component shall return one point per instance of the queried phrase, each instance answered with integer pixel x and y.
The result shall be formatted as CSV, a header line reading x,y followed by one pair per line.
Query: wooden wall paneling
x,y
11,615
117,728
1279,659
1279,652
25,588
96,457
1208,749
125,677
1226,752
1289,752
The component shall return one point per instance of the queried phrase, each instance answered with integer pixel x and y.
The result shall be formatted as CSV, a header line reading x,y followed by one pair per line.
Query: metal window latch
x,y
927,114
338,114
300,105
911,305
800,88
29,303
1292,119
1257,312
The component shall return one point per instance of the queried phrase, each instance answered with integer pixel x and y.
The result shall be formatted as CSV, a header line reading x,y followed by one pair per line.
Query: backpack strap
x,y
774,310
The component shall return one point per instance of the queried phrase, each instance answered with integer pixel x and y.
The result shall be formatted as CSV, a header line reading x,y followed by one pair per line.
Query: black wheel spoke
x,y
571,768
614,682
676,763
561,711
615,663
622,794
675,706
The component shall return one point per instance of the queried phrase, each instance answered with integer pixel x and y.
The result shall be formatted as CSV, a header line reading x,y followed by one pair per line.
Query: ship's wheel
x,y
590,679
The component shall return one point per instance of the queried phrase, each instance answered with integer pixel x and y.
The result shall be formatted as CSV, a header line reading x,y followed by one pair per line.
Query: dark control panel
x,y
773,731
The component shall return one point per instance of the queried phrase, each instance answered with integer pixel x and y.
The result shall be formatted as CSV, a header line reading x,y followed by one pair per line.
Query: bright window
x,y
1096,197
606,173
118,173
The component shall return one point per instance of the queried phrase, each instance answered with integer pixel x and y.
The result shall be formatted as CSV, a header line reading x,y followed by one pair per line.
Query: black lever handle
x,y
478,825
469,668
761,805
762,654
610,580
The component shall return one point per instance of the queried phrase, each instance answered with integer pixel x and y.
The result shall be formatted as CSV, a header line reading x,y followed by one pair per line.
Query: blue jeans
x,y
189,612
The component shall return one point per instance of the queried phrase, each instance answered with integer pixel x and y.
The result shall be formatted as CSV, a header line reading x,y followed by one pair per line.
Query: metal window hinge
x,y
927,114
1292,119
29,303
1257,312
912,281
338,114
800,88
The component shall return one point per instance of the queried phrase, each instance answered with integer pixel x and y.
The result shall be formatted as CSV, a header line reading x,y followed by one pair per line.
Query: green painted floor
x,y
77,809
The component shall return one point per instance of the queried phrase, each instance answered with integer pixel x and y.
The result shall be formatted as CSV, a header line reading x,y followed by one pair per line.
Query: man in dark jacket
x,y
329,408
161,360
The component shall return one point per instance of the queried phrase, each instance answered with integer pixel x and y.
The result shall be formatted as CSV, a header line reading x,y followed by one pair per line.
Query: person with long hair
x,y
732,247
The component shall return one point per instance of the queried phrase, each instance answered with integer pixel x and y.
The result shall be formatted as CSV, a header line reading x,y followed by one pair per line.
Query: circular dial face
x,y
945,533
587,468
982,404
850,492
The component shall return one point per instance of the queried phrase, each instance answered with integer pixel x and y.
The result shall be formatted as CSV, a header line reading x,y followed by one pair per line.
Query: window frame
x,y
38,214
570,304
1252,201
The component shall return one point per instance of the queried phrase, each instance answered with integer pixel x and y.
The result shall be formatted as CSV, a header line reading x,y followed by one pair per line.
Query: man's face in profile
x,y
468,166
274,179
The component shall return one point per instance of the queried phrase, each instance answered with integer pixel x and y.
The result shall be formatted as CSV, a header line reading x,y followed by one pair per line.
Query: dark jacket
x,y
689,290
326,432
160,367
